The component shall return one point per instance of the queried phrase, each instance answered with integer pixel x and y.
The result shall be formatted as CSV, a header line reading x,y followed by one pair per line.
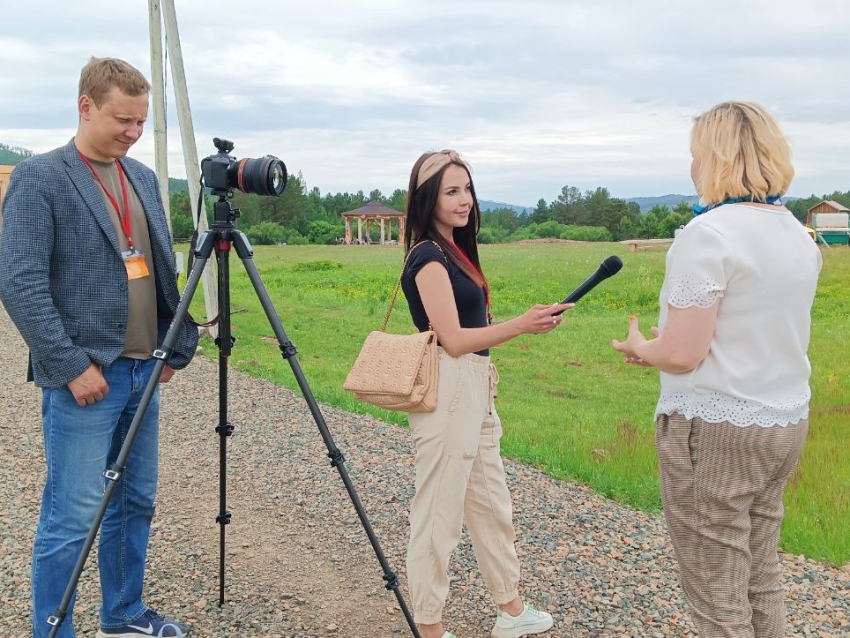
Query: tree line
x,y
298,216
306,216
302,216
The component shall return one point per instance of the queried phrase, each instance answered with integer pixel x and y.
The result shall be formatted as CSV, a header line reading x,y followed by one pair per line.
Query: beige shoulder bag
x,y
397,372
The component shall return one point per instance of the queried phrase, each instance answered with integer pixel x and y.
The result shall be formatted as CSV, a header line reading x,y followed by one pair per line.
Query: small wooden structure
x,y
373,212
826,206
829,222
5,172
643,244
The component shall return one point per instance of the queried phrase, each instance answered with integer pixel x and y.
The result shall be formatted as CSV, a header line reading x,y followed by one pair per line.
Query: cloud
x,y
536,95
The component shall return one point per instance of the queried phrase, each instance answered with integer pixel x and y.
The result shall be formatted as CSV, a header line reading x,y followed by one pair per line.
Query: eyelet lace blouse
x,y
762,267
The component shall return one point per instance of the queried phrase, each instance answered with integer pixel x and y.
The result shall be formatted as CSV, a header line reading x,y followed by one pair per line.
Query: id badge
x,y
134,260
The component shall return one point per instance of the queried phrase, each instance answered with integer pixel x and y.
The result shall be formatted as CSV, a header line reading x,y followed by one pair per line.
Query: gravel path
x,y
298,561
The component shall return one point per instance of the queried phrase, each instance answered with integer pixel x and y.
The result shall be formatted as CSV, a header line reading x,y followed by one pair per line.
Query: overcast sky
x,y
534,94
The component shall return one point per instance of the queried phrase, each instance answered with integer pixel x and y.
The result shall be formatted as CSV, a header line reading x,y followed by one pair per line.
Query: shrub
x,y
314,266
492,235
322,232
266,234
293,237
586,233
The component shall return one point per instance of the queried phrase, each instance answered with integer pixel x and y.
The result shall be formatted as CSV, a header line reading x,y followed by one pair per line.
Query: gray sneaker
x,y
150,625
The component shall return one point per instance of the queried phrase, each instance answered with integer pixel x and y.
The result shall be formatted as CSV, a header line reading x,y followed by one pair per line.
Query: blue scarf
x,y
770,199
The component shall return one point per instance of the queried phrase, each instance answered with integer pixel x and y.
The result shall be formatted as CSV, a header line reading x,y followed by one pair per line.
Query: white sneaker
x,y
530,621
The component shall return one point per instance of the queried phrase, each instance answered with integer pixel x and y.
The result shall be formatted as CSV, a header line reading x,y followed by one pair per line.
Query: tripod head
x,y
223,213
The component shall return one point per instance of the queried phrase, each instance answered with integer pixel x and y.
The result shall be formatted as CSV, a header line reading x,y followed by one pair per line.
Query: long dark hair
x,y
419,223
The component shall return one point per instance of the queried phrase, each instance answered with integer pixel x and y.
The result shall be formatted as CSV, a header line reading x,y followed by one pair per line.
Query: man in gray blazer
x,y
87,275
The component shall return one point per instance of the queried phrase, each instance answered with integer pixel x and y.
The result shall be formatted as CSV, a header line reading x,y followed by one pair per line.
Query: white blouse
x,y
763,267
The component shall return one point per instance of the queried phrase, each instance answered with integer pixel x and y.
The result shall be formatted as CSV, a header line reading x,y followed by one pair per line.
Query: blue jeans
x,y
80,443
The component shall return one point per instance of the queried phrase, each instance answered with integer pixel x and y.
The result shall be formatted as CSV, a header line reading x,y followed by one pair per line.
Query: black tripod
x,y
221,236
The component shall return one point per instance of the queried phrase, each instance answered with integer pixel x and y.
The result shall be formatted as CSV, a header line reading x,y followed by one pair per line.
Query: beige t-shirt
x,y
141,335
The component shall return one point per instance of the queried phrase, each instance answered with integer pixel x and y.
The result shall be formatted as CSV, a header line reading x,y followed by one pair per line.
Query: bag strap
x,y
398,283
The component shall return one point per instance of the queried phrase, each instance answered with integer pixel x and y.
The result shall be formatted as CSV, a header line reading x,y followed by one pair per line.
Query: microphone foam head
x,y
611,266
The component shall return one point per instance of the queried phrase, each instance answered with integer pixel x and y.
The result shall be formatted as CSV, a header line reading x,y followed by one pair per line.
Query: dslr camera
x,y
223,172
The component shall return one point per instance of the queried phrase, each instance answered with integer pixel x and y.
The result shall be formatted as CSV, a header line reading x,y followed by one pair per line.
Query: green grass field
x,y
570,406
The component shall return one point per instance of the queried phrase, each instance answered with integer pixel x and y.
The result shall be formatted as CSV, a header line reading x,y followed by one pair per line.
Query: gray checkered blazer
x,y
62,278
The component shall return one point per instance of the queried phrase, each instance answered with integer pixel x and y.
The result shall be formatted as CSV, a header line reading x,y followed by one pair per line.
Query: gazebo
x,y
373,212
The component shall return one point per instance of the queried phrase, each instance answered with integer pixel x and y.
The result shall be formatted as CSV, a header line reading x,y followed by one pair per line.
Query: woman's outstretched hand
x,y
633,341
539,318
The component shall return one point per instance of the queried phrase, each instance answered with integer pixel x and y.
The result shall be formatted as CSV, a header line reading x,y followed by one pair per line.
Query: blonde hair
x,y
100,75
742,152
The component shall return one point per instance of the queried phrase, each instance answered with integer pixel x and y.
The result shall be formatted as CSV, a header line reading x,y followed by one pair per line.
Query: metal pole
x,y
190,150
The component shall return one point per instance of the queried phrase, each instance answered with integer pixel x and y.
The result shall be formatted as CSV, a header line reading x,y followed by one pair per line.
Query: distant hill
x,y
12,155
670,201
645,203
486,204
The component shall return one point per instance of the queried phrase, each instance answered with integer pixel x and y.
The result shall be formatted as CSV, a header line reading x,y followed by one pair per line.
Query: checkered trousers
x,y
722,486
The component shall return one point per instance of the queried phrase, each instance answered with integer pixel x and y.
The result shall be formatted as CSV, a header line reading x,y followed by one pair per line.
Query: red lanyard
x,y
123,218
486,285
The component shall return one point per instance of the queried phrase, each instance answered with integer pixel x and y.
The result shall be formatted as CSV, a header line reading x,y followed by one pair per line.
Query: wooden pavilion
x,y
371,212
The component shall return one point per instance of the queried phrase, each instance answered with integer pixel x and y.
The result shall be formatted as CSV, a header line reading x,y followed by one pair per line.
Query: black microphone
x,y
611,266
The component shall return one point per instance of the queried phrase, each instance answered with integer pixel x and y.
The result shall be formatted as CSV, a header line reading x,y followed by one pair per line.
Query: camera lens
x,y
262,176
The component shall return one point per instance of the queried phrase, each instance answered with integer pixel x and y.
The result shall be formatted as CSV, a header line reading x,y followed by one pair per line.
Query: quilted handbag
x,y
397,372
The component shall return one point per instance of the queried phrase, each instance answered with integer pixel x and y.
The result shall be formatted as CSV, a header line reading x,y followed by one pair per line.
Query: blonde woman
x,y
731,346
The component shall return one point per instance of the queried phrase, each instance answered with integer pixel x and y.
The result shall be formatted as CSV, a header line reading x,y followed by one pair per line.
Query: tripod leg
x,y
224,341
288,351
114,473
